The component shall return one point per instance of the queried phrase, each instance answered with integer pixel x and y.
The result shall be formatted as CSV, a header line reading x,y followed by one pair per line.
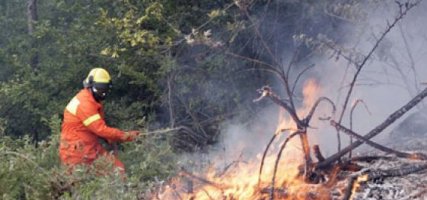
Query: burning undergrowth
x,y
376,177
287,163
287,169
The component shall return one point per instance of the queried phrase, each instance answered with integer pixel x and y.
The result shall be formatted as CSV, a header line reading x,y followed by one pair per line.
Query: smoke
x,y
390,78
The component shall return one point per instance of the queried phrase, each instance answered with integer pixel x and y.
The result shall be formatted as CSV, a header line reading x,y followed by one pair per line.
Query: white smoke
x,y
389,79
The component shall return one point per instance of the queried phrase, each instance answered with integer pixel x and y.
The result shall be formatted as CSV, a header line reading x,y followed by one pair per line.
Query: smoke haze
x,y
389,79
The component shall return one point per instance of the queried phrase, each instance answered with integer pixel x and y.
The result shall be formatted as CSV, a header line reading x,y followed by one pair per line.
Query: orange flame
x,y
240,181
357,184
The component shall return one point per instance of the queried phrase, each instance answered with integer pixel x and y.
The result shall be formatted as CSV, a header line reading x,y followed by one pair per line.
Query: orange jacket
x,y
82,126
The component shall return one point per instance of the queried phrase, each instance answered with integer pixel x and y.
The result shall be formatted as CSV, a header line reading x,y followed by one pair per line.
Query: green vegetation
x,y
174,64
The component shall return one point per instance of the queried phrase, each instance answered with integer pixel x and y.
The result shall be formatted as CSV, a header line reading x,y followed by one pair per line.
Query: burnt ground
x,y
412,186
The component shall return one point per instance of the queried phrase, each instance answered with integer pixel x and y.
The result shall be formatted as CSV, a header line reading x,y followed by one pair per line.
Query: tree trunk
x,y
32,18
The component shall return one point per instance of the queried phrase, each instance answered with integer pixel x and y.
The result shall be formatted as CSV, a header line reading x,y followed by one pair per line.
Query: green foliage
x,y
29,172
170,64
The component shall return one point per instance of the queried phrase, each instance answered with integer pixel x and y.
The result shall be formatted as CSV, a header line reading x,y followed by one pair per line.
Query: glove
x,y
130,135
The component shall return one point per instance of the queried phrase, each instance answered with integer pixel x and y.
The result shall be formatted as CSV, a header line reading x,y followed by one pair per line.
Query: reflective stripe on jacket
x,y
82,126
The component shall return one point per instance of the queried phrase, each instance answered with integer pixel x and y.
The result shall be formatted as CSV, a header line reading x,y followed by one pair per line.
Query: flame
x,y
357,184
240,181
311,91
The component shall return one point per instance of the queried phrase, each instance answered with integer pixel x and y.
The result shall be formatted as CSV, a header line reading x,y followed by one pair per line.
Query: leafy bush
x,y
30,172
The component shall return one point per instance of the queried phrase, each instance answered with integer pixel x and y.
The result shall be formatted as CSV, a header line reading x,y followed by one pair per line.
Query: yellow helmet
x,y
99,81
97,76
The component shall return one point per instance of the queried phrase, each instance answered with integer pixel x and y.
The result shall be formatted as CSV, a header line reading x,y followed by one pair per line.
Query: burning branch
x,y
263,157
276,164
392,118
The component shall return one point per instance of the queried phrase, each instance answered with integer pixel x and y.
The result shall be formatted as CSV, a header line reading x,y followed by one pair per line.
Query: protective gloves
x,y
130,135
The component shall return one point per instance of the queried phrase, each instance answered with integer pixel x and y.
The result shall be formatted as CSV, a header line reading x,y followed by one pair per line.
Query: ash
x,y
412,186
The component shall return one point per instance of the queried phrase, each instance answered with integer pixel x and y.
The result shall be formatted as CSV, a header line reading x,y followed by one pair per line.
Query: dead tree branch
x,y
416,156
392,118
402,12
267,92
351,118
276,164
314,107
263,157
299,76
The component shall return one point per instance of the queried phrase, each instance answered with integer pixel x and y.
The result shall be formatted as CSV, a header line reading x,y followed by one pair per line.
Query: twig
x,y
299,76
351,118
314,107
168,130
263,158
203,180
226,168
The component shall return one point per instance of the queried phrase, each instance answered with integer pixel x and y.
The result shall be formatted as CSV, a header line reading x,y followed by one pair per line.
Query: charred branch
x,y
392,118
351,118
316,104
317,153
263,157
369,158
417,156
276,164
267,92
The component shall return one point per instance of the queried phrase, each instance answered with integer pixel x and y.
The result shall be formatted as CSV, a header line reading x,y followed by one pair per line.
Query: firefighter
x,y
84,125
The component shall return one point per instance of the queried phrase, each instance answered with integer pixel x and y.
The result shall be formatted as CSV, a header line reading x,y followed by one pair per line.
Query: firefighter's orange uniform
x,y
83,125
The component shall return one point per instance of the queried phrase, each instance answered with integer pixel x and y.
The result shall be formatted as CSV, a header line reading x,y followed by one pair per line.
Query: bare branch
x,y
351,118
276,164
359,67
299,76
266,91
316,104
269,66
417,156
263,157
392,118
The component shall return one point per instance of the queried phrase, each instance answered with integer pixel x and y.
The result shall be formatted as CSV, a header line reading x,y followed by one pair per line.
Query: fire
x,y
356,185
240,181
311,92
